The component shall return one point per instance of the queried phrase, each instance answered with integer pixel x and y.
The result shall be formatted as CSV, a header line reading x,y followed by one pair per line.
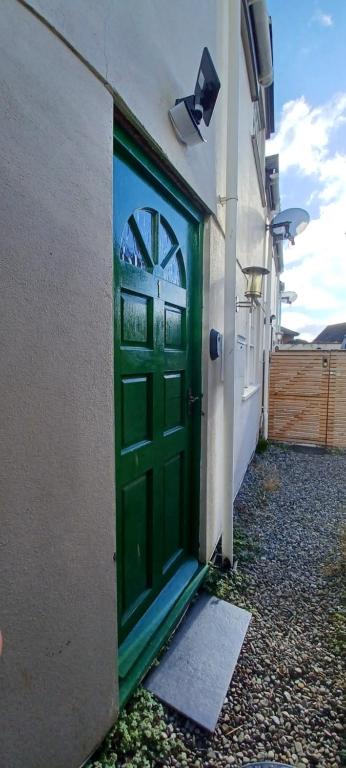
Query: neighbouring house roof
x,y
288,332
332,333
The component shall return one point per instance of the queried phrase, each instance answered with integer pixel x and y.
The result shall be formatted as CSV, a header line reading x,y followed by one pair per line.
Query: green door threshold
x,y
143,643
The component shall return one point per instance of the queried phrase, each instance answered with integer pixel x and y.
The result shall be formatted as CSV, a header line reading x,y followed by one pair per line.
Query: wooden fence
x,y
307,397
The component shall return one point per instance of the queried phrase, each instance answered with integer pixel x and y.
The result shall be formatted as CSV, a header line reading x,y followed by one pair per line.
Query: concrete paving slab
x,y
195,672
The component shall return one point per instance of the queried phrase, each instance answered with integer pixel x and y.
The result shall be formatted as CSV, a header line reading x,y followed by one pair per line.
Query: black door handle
x,y
191,399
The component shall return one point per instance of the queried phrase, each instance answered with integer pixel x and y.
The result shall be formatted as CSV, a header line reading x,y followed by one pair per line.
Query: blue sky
x,y
310,109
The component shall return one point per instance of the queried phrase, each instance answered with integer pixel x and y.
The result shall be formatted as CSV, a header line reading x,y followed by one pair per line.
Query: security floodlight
x,y
191,113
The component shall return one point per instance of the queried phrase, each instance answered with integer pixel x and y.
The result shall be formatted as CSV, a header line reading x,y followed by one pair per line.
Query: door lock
x,y
191,399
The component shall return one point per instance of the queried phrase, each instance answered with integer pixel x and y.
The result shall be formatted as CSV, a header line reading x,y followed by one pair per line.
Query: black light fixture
x,y
191,113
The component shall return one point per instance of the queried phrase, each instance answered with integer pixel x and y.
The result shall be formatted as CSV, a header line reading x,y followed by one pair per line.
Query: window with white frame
x,y
251,378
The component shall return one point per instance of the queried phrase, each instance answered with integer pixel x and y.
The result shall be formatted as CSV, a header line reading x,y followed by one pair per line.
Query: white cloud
x,y
324,19
318,260
294,320
333,174
304,133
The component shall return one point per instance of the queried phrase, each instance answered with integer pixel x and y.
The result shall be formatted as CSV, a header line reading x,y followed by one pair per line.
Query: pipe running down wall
x,y
230,273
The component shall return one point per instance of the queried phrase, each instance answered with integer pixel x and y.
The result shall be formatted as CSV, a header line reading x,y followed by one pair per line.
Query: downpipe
x,y
231,202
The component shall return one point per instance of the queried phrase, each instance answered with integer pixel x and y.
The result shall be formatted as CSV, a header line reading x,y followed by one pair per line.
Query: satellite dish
x,y
286,225
289,297
189,112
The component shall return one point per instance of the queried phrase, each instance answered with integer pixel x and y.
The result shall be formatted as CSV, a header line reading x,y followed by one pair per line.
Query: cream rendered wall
x,y
251,244
57,579
251,249
148,51
148,54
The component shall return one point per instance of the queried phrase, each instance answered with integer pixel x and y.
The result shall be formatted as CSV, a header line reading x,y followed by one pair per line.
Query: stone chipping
x,y
285,702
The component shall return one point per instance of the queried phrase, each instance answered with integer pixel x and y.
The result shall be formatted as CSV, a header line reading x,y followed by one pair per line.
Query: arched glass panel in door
x,y
148,241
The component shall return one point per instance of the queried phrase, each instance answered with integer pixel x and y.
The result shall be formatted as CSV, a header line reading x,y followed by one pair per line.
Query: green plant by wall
x,y
245,549
140,738
230,586
262,445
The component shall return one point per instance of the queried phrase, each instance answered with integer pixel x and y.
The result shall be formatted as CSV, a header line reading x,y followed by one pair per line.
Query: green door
x,y
157,376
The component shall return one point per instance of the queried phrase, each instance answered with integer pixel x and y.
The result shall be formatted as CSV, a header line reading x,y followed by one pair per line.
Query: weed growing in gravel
x,y
336,570
139,738
271,483
338,620
245,548
336,566
230,586
336,451
262,445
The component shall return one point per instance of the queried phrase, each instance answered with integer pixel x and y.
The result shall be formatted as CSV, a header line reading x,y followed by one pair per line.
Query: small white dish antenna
x,y
289,297
286,225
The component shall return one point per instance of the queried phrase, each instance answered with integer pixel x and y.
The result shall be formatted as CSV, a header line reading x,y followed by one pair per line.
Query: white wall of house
x,y
251,244
149,53
56,303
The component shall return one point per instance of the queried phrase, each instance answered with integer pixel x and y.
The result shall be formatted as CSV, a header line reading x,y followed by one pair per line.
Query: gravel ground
x,y
285,700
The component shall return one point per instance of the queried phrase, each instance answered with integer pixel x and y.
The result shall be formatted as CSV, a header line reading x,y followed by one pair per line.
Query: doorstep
x,y
195,672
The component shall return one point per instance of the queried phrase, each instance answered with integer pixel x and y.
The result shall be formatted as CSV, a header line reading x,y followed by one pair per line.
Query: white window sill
x,y
249,391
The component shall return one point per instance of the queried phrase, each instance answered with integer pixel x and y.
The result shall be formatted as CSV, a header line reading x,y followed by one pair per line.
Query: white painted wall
x,y
57,580
149,52
251,243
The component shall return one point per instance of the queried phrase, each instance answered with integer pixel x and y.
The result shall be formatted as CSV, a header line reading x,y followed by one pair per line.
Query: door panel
x,y
136,410
136,319
173,401
156,263
137,576
173,522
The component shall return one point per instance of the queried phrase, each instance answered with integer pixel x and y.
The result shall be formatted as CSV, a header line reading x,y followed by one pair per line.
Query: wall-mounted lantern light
x,y
254,285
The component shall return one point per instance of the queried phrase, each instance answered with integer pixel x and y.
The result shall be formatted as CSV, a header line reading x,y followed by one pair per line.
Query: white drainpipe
x,y
234,41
